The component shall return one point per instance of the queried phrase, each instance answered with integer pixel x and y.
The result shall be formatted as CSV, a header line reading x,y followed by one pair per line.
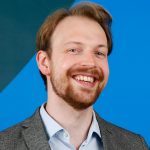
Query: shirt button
x,y
65,135
84,144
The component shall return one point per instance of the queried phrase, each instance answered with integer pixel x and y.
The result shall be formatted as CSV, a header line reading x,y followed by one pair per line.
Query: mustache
x,y
92,70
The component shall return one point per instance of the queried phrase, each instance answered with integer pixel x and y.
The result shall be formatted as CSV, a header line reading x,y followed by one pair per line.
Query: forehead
x,y
78,28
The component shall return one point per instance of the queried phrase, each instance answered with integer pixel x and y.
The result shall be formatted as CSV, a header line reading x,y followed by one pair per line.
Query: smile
x,y
85,81
84,78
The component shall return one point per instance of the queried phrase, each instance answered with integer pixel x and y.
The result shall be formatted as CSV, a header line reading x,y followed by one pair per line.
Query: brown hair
x,y
89,10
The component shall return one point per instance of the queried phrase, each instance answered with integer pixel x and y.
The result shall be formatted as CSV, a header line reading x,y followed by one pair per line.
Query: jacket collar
x,y
34,133
107,133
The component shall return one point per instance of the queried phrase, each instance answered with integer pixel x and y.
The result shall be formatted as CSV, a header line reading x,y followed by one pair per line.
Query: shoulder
x,y
121,137
10,133
118,131
12,137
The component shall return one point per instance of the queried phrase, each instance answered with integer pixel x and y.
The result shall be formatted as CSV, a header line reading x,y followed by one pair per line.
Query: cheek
x,y
62,66
105,68
68,62
65,66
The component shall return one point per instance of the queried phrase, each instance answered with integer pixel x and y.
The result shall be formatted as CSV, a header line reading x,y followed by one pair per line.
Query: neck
x,y
61,111
76,122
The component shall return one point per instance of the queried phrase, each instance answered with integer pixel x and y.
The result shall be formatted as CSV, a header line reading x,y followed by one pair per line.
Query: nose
x,y
88,59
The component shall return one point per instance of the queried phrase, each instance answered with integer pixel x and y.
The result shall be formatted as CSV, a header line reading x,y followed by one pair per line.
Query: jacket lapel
x,y
34,133
108,137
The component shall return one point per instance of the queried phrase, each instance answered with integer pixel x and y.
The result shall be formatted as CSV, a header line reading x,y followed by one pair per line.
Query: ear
x,y
43,62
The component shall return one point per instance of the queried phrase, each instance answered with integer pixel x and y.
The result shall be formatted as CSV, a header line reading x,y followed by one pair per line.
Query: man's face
x,y
78,64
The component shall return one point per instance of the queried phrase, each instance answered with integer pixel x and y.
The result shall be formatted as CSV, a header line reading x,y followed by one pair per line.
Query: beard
x,y
78,97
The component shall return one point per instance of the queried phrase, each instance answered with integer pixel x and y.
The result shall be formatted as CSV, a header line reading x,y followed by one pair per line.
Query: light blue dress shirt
x,y
59,138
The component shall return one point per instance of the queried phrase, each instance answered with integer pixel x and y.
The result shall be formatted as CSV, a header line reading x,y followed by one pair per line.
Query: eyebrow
x,y
80,43
73,42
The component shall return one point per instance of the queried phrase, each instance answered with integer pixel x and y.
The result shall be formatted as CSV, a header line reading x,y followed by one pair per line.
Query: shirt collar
x,y
52,127
94,128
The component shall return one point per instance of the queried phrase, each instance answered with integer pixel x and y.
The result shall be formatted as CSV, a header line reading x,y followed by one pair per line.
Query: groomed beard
x,y
69,94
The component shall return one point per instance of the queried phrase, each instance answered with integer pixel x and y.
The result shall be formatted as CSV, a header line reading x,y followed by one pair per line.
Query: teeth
x,y
84,78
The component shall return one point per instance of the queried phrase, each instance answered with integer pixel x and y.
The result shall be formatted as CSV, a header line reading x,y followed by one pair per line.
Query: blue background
x,y
125,100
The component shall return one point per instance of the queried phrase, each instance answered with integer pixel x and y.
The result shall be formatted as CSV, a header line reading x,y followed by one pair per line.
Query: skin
x,y
79,47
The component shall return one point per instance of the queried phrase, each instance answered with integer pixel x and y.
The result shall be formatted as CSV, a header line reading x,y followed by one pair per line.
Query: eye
x,y
73,51
100,54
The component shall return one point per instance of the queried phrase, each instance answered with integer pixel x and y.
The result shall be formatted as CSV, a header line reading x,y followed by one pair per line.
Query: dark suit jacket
x,y
31,135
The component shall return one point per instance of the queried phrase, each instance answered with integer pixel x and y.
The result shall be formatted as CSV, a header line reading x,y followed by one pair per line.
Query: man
x,y
72,55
